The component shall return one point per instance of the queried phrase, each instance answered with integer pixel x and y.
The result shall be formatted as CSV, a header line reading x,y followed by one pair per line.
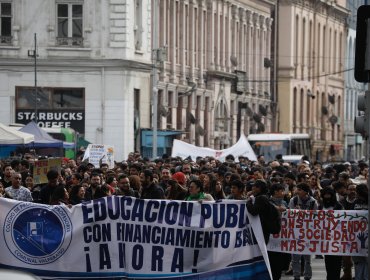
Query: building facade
x,y
354,143
92,66
214,69
311,73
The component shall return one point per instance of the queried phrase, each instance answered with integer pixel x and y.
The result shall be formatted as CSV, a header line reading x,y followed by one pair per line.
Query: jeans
x,y
361,269
296,266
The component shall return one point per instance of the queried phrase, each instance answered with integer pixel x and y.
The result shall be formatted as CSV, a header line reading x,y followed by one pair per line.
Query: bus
x,y
288,145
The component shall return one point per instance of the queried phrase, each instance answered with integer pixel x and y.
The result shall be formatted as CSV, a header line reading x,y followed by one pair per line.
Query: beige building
x,y
311,70
214,69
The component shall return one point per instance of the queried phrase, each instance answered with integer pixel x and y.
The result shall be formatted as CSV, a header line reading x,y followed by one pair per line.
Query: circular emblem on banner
x,y
37,234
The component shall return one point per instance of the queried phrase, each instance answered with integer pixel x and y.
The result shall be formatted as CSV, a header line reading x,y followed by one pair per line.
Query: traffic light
x,y
362,122
362,54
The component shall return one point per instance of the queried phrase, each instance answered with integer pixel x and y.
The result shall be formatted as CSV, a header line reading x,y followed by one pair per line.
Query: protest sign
x,y
320,232
97,154
116,237
41,168
240,148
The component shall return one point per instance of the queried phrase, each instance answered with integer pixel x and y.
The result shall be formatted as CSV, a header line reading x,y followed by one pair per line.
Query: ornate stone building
x,y
215,69
311,72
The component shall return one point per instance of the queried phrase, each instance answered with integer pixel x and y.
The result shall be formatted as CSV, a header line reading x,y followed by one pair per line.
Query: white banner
x,y
97,154
241,148
127,237
322,233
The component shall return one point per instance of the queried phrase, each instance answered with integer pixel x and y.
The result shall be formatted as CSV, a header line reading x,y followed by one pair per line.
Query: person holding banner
x,y
237,190
150,189
278,261
333,263
77,194
302,200
258,204
16,191
196,192
95,183
47,191
361,263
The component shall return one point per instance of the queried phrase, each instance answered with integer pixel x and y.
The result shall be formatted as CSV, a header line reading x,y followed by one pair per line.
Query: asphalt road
x,y
318,270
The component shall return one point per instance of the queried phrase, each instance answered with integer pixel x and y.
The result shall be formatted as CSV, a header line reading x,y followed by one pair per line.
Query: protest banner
x,y
97,154
41,168
339,232
240,148
125,237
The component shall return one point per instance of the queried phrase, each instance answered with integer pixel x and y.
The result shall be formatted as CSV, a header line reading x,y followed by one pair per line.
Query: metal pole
x,y
35,57
155,78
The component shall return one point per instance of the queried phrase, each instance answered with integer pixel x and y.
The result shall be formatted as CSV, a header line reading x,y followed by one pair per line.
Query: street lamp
x,y
33,53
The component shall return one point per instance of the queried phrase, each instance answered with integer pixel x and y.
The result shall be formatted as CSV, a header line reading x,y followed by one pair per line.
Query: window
x,y
50,98
69,24
6,23
138,29
62,107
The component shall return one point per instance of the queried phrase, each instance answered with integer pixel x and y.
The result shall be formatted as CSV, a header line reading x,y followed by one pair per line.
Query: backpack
x,y
274,224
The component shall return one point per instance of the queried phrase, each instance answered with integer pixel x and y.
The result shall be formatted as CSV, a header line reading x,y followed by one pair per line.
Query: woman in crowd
x,y
278,261
135,183
213,187
237,190
333,263
35,189
77,194
175,191
314,183
60,196
196,192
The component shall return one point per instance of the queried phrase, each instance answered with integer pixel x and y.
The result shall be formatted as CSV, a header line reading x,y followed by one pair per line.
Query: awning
x,y
164,137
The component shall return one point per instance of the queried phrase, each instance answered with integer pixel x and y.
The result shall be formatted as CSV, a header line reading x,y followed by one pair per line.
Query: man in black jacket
x,y
333,263
258,204
150,189
48,190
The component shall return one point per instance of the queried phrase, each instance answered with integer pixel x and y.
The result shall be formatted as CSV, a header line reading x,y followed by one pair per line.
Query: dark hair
x,y
78,176
135,166
276,187
230,157
52,174
82,168
338,185
290,175
148,173
101,191
198,183
25,163
239,184
122,176
58,195
110,179
362,191
5,166
262,185
14,163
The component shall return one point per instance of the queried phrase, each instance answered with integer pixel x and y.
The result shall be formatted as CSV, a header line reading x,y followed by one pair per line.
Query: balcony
x,y
70,41
6,40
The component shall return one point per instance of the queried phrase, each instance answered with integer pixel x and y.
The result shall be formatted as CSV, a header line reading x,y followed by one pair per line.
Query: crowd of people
x,y
304,185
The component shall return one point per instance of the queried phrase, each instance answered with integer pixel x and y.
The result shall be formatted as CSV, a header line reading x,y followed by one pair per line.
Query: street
x,y
318,270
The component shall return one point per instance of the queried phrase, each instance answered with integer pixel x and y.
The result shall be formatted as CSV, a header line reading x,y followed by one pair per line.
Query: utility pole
x,y
33,53
155,78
